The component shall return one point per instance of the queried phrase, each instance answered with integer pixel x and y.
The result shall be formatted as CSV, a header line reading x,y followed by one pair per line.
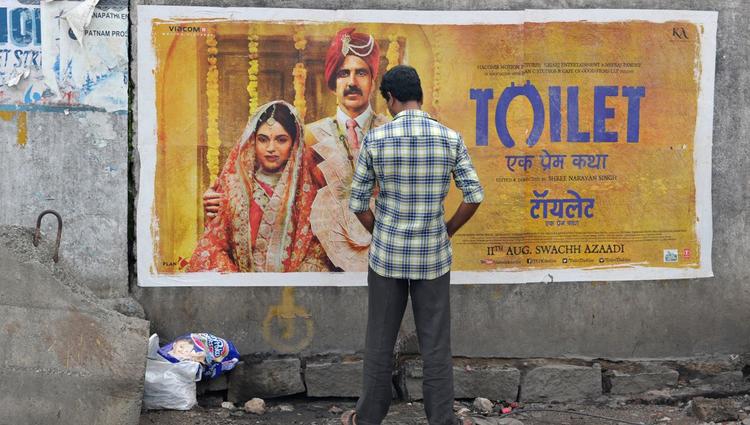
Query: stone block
x,y
562,383
125,305
269,378
492,382
413,388
720,379
65,358
715,410
61,397
412,368
341,379
220,383
640,378
495,382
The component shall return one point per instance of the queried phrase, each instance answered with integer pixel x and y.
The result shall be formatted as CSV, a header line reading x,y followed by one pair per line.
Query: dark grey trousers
x,y
430,301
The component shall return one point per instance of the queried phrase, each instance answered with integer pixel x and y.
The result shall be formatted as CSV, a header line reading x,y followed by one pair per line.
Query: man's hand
x,y
211,202
367,219
460,217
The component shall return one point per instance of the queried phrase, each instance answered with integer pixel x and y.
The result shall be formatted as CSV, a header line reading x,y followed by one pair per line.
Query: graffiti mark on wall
x,y
288,327
20,119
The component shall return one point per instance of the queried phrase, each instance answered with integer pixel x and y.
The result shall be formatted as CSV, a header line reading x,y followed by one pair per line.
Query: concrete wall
x,y
74,162
66,357
633,320
77,164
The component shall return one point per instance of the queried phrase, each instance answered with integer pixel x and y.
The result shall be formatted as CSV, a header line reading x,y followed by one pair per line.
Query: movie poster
x,y
590,131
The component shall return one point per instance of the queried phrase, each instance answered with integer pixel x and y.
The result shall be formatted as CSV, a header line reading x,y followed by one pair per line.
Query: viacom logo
x,y
187,29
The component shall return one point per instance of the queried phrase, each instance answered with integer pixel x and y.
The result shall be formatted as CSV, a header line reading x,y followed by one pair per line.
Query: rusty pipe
x,y
38,232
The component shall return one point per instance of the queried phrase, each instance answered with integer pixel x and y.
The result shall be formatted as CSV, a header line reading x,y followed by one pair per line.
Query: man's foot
x,y
349,418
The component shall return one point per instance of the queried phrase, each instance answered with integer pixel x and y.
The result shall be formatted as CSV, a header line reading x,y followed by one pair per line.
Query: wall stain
x,y
12,327
280,328
497,293
78,341
21,125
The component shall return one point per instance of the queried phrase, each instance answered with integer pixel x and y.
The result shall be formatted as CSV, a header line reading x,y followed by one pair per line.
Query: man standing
x,y
411,159
351,67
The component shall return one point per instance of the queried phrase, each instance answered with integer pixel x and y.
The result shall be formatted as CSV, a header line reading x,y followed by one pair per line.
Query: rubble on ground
x,y
255,406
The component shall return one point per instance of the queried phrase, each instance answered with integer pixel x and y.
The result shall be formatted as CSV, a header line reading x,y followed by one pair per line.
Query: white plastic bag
x,y
169,385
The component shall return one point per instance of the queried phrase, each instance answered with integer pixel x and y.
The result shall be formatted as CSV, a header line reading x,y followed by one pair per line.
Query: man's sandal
x,y
466,420
349,417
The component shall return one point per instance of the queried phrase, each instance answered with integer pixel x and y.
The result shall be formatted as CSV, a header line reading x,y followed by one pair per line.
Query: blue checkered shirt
x,y
412,159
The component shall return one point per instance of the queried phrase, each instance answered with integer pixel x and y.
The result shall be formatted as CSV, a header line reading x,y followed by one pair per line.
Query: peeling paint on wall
x,y
20,52
79,17
84,53
20,118
63,54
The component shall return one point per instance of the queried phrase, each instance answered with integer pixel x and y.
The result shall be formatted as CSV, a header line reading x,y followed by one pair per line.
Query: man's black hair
x,y
402,82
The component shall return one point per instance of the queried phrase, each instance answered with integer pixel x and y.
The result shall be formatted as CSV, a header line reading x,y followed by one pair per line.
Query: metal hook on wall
x,y
37,234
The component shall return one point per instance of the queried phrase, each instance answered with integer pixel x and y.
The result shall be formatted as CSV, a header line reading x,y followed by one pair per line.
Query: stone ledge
x,y
544,380
220,383
721,379
635,379
270,378
709,410
493,382
562,383
334,379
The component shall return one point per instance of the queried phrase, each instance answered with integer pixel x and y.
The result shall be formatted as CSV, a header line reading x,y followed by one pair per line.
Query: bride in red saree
x,y
263,218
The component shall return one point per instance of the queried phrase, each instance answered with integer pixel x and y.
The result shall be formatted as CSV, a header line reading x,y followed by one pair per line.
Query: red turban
x,y
348,42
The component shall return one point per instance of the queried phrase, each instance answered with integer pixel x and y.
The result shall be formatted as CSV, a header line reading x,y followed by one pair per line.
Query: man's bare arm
x,y
367,218
460,217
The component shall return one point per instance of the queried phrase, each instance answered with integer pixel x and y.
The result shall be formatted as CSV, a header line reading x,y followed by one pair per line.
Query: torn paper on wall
x,y
79,18
92,71
46,62
21,80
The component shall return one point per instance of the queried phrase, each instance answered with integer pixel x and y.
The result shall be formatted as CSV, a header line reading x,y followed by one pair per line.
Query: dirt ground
x,y
324,412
